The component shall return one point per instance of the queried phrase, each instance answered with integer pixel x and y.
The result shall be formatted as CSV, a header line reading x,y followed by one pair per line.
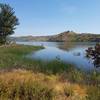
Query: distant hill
x,y
76,37
30,38
68,36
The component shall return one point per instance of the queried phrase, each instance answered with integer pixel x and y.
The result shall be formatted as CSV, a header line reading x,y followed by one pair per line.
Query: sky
x,y
48,17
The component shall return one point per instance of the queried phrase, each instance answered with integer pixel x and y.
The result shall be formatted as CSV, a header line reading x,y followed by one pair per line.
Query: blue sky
x,y
48,17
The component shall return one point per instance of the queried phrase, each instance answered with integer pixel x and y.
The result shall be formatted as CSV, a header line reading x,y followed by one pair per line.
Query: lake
x,y
73,53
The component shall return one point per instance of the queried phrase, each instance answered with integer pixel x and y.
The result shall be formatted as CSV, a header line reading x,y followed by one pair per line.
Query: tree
x,y
94,54
8,21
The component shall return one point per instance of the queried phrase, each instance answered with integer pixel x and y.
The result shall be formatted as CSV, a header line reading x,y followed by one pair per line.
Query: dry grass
x,y
12,81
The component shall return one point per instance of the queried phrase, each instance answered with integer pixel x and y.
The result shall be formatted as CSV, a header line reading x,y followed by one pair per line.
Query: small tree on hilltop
x,y
8,21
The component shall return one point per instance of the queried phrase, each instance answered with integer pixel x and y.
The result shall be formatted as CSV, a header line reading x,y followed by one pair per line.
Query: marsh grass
x,y
55,79
13,55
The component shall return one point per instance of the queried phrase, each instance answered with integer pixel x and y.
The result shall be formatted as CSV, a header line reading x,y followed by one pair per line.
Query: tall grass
x,y
14,55
65,79
22,85
26,85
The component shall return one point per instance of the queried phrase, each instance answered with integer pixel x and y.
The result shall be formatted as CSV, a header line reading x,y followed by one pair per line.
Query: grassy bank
x,y
14,55
26,79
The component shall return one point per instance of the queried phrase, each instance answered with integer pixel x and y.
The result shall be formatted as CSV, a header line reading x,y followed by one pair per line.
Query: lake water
x,y
73,53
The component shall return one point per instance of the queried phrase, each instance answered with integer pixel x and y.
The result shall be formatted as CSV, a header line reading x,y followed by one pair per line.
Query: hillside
x,y
76,37
68,36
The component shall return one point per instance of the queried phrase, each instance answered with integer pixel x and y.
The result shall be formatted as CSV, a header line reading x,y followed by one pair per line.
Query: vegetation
x,y
8,21
14,55
23,85
24,78
94,54
93,93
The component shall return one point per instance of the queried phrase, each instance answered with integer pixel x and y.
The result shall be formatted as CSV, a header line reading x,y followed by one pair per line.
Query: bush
x,y
93,53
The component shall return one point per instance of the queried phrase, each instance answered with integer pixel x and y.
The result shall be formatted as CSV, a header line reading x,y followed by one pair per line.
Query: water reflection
x,y
67,52
66,46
